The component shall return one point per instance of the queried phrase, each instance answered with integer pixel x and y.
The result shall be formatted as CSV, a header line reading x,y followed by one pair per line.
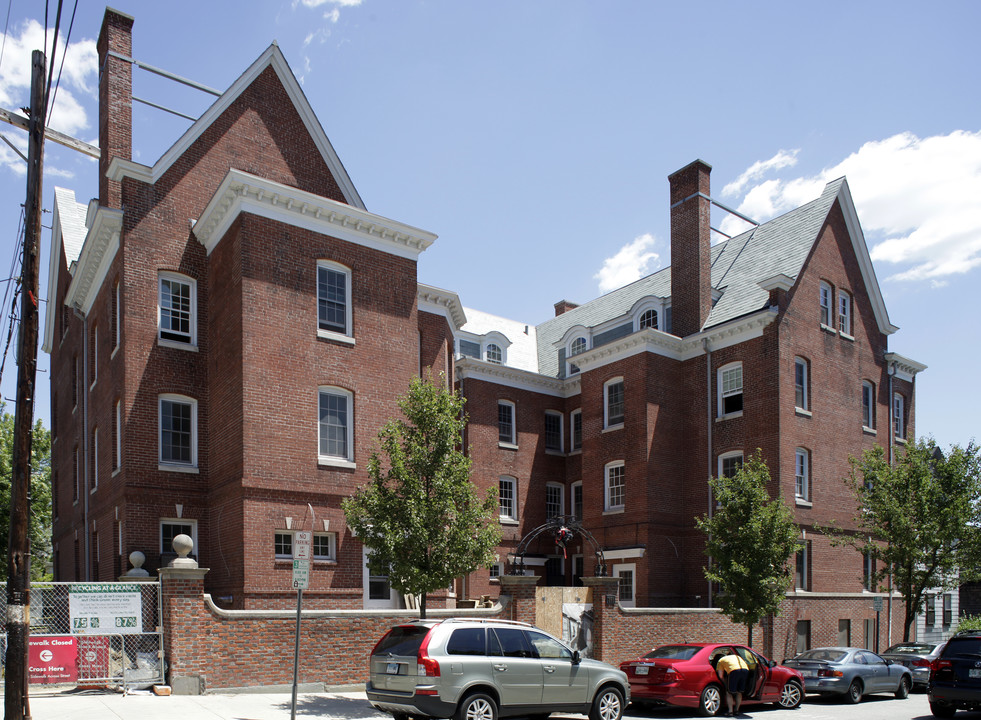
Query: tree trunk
x,y
422,606
749,634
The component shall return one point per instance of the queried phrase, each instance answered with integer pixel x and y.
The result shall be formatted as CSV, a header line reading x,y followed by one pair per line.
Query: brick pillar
x,y
184,620
606,617
691,268
115,100
521,588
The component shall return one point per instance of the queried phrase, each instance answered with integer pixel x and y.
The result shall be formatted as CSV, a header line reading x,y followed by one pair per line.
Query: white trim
x,y
118,450
392,601
95,460
336,267
624,553
805,454
561,488
572,430
868,385
561,447
241,193
98,252
607,425
632,569
177,521
193,319
805,407
513,441
171,464
513,481
442,302
607,505
728,456
346,460
572,500
271,57
903,367
719,392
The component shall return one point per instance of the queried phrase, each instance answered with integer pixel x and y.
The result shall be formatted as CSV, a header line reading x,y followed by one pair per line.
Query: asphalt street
x,y
351,705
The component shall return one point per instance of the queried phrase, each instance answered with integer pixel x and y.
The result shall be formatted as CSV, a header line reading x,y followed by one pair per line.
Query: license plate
x,y
974,673
642,670
393,669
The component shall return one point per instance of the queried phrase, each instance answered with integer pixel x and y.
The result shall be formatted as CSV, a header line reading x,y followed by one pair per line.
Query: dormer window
x,y
577,346
494,354
648,320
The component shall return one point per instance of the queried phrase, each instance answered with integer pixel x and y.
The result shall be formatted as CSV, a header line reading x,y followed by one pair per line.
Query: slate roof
x,y
522,353
739,264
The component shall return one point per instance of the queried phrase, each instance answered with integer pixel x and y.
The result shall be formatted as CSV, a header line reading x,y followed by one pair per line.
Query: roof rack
x,y
488,620
975,631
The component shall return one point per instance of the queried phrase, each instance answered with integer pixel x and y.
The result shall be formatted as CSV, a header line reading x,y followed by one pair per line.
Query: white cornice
x,y
780,281
470,368
241,192
272,57
902,367
54,266
98,251
442,302
864,259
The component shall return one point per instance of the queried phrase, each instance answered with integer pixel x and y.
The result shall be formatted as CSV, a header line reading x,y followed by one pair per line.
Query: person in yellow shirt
x,y
733,672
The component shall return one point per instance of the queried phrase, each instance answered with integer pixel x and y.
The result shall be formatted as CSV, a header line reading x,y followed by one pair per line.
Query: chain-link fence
x,y
93,634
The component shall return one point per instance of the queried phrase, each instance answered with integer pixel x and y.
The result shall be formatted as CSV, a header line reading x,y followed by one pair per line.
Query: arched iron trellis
x,y
564,529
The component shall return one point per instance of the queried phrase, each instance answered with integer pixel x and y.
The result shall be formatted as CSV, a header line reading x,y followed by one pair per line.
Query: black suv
x,y
955,681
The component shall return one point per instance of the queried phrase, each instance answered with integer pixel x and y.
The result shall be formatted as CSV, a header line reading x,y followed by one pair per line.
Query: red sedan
x,y
684,675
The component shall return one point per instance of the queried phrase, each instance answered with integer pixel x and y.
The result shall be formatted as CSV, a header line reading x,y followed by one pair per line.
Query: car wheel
x,y
791,695
710,701
902,692
477,706
854,692
942,710
607,705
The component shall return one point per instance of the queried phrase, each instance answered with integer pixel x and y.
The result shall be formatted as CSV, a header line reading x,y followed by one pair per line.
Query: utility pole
x,y
16,701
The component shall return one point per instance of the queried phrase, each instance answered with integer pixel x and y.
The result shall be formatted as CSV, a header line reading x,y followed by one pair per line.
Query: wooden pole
x,y
16,700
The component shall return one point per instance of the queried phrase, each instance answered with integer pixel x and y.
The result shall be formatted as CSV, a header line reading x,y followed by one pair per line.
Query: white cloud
x,y
916,198
338,3
632,262
758,169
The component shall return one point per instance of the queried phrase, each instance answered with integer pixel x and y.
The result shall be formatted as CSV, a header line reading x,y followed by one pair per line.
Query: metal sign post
x,y
302,542
877,606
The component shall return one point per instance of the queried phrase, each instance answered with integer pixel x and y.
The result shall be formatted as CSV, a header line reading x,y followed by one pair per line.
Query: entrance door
x,y
378,592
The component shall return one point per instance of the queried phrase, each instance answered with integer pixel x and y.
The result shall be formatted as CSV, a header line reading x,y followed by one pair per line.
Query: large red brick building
x,y
230,327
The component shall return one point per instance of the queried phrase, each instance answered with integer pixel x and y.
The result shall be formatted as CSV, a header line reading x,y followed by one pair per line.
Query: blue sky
x,y
535,138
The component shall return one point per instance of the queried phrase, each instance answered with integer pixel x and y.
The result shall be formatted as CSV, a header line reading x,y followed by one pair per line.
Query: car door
x,y
762,686
563,681
516,667
878,672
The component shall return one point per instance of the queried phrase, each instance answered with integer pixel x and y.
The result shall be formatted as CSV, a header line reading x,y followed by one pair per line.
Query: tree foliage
x,y
420,516
40,494
750,539
918,518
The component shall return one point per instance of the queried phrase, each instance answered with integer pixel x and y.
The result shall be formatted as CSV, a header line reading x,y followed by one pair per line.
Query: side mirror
x,y
772,663
576,657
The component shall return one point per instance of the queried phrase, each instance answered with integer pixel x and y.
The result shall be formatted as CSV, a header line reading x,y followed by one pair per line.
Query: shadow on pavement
x,y
332,706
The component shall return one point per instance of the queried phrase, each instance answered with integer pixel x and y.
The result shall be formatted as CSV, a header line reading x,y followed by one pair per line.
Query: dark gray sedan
x,y
917,656
850,673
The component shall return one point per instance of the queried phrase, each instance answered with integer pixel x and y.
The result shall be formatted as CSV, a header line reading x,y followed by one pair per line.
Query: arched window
x,y
494,354
648,320
575,347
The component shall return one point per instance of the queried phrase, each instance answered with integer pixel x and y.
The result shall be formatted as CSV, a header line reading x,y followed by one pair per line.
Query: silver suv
x,y
471,669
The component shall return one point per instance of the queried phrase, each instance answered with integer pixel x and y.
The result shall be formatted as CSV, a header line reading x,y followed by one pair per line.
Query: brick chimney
x,y
115,100
564,306
691,269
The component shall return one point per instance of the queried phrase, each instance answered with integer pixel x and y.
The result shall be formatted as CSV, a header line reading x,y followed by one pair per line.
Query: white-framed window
x,y
94,482
578,345
333,300
506,431
868,571
647,319
825,302
323,545
575,420
844,313
554,500
730,463
802,474
117,449
802,569
116,329
495,570
627,585
283,545
177,310
336,426
508,492
468,348
95,355
171,528
948,601
575,501
613,403
730,382
495,354
178,432
553,431
801,398
898,416
614,485
868,405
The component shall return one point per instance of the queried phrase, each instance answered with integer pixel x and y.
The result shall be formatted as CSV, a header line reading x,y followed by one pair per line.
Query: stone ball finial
x,y
136,559
182,546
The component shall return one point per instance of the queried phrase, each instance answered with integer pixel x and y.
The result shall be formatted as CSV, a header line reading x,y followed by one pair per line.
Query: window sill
x,y
190,347
114,351
828,329
802,412
508,521
846,336
116,472
507,445
612,428
577,451
92,491
92,386
614,511
335,336
189,469
336,462
553,451
730,416
801,502
288,560
900,441
868,431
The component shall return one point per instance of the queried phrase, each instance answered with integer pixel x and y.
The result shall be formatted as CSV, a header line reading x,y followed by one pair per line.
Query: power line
x,y
64,55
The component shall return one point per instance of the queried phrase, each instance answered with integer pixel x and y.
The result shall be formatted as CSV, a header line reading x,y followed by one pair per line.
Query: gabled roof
x,y
67,231
272,57
741,268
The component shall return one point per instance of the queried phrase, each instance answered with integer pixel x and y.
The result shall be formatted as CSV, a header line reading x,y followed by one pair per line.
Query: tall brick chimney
x,y
691,268
115,100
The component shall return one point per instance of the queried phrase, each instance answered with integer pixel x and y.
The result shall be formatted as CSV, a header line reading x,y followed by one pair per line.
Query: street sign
x,y
877,604
302,541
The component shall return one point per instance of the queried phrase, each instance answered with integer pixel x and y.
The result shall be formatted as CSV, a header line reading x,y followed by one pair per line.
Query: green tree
x,y
40,494
918,518
750,538
420,517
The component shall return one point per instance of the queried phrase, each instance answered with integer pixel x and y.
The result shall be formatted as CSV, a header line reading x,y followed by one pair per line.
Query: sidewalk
x,y
143,705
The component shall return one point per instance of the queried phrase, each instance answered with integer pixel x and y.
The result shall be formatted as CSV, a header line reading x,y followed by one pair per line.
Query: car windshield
x,y
826,655
910,649
402,640
673,652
